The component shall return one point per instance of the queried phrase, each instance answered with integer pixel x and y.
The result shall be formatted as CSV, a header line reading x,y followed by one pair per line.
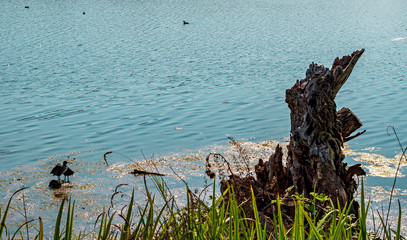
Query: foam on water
x,y
129,77
94,183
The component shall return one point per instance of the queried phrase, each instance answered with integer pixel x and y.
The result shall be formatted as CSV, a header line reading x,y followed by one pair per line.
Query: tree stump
x,y
315,157
318,131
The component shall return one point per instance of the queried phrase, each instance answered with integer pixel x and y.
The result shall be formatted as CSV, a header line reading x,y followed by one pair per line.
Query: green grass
x,y
221,218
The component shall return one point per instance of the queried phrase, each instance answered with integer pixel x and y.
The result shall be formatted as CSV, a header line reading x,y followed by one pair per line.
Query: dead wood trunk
x,y
315,158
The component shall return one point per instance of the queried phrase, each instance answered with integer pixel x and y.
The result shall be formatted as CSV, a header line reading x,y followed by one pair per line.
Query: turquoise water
x,y
128,76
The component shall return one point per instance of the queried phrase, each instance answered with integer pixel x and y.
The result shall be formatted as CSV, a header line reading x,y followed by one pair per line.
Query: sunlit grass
x,y
221,218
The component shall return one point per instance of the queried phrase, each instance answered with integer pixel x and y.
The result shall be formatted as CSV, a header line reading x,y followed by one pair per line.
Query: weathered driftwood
x,y
142,172
315,157
136,172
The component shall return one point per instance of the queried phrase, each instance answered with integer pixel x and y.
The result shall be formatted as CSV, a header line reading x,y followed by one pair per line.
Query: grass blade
x,y
398,235
387,233
69,221
102,224
363,214
106,229
3,220
41,232
282,232
256,217
58,221
126,229
314,232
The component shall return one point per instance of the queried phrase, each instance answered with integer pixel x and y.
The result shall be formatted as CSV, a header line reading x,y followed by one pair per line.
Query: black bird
x,y
59,169
67,173
27,6
54,184
83,13
185,22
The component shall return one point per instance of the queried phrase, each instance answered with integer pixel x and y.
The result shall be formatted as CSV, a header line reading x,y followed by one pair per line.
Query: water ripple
x,y
129,75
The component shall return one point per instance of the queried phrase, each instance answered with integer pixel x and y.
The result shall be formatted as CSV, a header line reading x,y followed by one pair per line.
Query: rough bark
x,y
348,120
315,157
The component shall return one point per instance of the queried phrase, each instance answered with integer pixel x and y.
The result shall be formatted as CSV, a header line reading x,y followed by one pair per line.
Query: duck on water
x,y
59,169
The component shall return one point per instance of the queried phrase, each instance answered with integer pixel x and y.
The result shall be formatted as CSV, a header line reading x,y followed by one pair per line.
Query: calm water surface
x,y
128,76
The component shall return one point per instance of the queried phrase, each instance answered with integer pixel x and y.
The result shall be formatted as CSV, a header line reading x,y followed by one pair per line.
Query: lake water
x,y
128,76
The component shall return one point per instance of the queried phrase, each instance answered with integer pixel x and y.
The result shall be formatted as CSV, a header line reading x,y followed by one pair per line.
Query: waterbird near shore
x,y
59,169
67,173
